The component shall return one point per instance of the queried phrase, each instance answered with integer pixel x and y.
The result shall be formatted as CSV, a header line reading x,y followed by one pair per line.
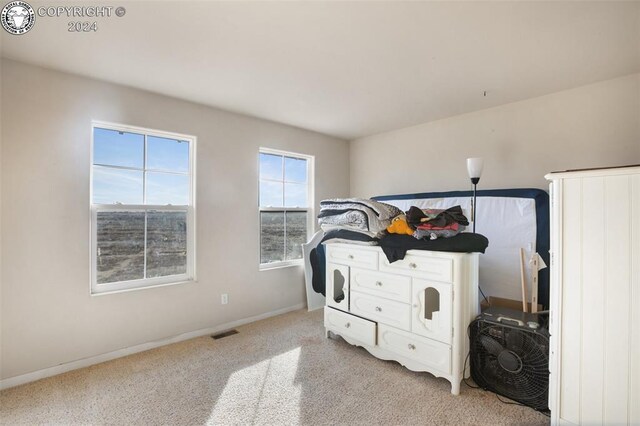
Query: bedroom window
x,y
285,200
142,208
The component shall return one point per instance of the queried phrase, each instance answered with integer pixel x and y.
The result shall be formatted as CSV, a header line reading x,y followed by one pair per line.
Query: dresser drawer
x,y
352,256
382,310
349,325
394,287
435,268
420,349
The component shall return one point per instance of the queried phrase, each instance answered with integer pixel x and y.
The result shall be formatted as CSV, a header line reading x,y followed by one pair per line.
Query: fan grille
x,y
511,361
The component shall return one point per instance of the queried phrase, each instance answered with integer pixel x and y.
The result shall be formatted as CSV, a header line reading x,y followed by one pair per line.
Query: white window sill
x,y
280,265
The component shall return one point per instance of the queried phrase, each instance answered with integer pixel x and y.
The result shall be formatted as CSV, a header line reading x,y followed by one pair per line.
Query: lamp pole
x,y
474,168
474,181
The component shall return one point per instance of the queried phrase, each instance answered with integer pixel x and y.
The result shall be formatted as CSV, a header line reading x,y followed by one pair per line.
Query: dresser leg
x,y
455,388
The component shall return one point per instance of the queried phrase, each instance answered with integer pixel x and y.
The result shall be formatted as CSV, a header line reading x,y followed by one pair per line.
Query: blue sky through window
x,y
112,186
167,154
295,170
114,149
270,193
283,181
295,194
270,166
166,188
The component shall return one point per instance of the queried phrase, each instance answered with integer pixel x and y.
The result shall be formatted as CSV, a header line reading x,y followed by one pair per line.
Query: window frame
x,y
190,209
310,159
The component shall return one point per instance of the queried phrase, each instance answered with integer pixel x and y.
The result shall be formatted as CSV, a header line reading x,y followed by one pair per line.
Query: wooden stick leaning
x,y
523,282
534,283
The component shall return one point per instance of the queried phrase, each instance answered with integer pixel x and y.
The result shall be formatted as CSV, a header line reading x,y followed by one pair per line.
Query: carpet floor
x,y
277,371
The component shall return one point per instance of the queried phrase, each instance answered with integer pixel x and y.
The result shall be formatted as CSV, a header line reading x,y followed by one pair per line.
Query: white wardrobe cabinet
x,y
595,297
414,311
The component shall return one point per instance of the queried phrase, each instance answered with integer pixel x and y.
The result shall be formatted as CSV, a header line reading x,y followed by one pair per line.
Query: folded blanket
x,y
352,218
382,211
356,215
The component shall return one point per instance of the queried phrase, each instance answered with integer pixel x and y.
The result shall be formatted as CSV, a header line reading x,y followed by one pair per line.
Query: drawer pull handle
x,y
412,346
413,265
378,309
379,283
350,256
347,325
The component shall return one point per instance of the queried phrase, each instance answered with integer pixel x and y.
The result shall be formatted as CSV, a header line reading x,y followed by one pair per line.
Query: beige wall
x,y
48,316
590,126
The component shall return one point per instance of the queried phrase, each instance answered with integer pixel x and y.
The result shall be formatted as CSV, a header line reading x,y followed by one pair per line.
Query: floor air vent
x,y
224,334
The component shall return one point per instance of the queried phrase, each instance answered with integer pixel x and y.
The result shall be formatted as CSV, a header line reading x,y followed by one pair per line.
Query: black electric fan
x,y
510,357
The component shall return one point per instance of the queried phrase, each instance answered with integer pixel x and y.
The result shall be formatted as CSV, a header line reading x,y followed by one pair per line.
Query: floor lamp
x,y
474,167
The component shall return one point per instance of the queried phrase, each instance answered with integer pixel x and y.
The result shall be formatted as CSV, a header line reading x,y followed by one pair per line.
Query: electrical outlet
x,y
224,299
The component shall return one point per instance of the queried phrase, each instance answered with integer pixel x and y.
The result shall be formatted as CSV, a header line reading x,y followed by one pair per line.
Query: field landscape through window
x,y
121,245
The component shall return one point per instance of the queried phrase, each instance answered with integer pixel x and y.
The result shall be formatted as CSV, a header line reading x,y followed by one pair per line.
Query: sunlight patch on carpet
x,y
261,391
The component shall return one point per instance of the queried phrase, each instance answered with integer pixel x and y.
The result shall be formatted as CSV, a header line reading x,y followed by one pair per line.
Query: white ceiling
x,y
347,69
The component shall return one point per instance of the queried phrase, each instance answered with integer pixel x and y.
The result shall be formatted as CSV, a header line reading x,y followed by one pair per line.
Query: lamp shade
x,y
474,167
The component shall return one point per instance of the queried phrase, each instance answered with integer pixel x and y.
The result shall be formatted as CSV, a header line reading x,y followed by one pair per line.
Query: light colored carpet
x,y
277,371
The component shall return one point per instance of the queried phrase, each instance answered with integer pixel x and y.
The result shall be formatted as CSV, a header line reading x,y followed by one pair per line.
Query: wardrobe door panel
x,y
593,292
617,266
570,345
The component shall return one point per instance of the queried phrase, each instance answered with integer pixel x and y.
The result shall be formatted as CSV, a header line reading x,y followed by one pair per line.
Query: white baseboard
x,y
86,362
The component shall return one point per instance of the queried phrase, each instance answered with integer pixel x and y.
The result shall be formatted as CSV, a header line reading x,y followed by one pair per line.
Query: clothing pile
x,y
429,223
365,216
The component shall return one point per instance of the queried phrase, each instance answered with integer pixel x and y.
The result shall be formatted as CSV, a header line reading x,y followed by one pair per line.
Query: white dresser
x,y
414,311
595,297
